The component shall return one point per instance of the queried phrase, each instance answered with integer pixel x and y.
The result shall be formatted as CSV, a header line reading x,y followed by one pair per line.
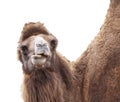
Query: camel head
x,y
37,47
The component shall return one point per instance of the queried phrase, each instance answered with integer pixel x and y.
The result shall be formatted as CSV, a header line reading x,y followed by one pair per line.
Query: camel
x,y
95,75
47,74
97,70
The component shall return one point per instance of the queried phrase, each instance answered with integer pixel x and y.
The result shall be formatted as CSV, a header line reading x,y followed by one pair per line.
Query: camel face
x,y
36,51
42,51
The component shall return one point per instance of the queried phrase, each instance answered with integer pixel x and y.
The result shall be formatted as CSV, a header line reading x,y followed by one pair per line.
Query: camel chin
x,y
38,60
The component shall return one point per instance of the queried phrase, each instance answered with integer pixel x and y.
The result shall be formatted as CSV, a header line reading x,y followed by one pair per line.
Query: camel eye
x,y
53,43
24,49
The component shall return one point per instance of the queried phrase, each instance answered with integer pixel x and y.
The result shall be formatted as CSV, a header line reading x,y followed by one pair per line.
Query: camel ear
x,y
54,43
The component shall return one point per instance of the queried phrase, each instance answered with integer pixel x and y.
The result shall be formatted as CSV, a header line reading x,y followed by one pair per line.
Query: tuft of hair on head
x,y
31,29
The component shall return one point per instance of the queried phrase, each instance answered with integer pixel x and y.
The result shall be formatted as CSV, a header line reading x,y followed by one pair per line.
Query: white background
x,y
74,22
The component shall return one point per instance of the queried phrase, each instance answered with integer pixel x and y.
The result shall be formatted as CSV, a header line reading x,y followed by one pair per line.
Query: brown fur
x,y
96,72
50,84
33,29
98,69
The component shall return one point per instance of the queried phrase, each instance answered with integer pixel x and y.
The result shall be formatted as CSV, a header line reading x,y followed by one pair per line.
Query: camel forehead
x,y
34,39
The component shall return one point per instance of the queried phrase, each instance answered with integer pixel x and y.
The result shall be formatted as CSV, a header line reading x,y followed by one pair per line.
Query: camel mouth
x,y
39,60
39,56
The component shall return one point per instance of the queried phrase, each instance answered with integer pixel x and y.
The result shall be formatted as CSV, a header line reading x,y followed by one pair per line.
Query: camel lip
x,y
38,60
43,55
39,56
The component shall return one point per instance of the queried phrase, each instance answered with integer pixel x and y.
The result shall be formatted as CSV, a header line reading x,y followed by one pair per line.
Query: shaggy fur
x,y
50,84
98,69
96,73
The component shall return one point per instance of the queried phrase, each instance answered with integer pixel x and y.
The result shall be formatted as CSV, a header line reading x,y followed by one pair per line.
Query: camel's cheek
x,y
28,66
